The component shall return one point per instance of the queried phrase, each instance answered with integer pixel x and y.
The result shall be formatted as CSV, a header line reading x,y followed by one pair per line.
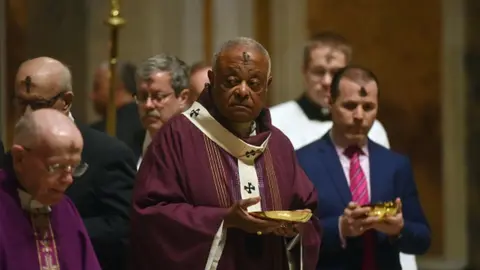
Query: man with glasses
x,y
40,227
103,193
162,92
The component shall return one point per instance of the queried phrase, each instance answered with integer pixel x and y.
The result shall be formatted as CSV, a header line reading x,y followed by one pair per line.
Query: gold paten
x,y
290,216
383,209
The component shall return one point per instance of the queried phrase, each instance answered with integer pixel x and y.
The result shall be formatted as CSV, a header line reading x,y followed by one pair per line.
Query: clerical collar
x,y
253,129
146,142
71,116
30,204
312,110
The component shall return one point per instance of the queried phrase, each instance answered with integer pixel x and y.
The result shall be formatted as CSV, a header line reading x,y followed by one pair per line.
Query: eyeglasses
x,y
76,170
157,97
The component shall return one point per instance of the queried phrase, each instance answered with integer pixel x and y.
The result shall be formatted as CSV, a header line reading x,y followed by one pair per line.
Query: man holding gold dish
x,y
220,187
368,201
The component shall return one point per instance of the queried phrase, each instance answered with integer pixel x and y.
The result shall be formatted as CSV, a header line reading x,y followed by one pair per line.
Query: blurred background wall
x,y
426,54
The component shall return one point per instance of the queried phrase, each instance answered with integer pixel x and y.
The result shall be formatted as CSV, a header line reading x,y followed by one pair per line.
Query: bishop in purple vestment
x,y
210,167
39,227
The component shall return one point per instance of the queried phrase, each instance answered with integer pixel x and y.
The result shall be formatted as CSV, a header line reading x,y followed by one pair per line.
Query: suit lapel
x,y
377,172
334,168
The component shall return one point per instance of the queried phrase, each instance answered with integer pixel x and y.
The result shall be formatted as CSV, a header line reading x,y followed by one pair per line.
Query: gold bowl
x,y
383,209
300,216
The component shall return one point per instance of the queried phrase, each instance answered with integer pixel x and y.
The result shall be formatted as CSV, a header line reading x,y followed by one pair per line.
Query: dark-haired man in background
x,y
308,118
351,171
128,123
198,79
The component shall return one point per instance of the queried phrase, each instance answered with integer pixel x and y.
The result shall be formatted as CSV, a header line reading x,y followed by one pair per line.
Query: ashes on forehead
x,y
329,56
28,83
363,92
246,57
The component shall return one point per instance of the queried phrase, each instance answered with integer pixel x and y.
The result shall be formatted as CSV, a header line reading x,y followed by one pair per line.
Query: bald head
x,y
47,150
47,127
246,46
47,74
43,82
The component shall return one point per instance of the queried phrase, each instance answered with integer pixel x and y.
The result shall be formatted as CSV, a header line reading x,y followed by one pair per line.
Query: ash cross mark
x,y
194,112
246,58
28,83
248,188
251,153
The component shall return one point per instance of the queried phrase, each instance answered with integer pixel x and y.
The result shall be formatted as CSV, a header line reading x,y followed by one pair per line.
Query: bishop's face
x,y
240,83
324,63
354,110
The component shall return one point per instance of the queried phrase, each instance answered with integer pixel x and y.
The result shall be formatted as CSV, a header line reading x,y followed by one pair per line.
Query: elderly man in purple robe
x,y
40,228
209,168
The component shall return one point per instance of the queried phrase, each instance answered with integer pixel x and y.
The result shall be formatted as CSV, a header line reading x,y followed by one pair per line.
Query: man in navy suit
x,y
351,171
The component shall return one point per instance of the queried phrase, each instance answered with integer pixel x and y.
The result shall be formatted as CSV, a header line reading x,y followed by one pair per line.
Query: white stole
x,y
146,143
245,154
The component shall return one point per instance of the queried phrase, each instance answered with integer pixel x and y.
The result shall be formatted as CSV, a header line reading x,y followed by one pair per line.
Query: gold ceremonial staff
x,y
115,22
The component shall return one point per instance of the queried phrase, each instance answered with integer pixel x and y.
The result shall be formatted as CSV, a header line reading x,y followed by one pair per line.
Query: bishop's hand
x,y
238,217
290,229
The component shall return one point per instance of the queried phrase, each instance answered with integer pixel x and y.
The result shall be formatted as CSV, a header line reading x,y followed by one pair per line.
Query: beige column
x,y
192,31
231,18
289,33
454,92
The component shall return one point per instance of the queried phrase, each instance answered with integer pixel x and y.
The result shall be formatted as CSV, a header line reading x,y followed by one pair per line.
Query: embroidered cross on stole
x,y
42,231
244,152
45,241
249,182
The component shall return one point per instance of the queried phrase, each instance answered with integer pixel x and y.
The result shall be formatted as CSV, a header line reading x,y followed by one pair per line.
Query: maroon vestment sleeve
x,y
168,232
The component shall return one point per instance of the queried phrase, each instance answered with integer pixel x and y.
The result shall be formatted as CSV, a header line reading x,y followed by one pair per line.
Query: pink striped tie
x,y
359,190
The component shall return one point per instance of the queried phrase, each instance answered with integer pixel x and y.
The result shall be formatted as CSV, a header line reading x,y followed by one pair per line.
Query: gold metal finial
x,y
115,21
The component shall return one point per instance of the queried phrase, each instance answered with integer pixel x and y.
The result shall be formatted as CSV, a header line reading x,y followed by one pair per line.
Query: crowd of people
x,y
197,154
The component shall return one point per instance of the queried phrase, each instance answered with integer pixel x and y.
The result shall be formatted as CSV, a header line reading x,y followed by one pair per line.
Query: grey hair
x,y
178,69
242,42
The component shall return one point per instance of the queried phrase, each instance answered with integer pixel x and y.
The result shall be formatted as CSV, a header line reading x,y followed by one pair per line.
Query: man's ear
x,y
67,101
211,76
18,153
185,98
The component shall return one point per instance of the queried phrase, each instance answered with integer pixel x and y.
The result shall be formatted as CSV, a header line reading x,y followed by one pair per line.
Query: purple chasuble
x,y
186,184
45,241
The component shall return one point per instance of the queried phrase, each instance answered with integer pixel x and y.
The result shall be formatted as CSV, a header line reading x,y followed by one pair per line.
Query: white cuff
x,y
343,242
